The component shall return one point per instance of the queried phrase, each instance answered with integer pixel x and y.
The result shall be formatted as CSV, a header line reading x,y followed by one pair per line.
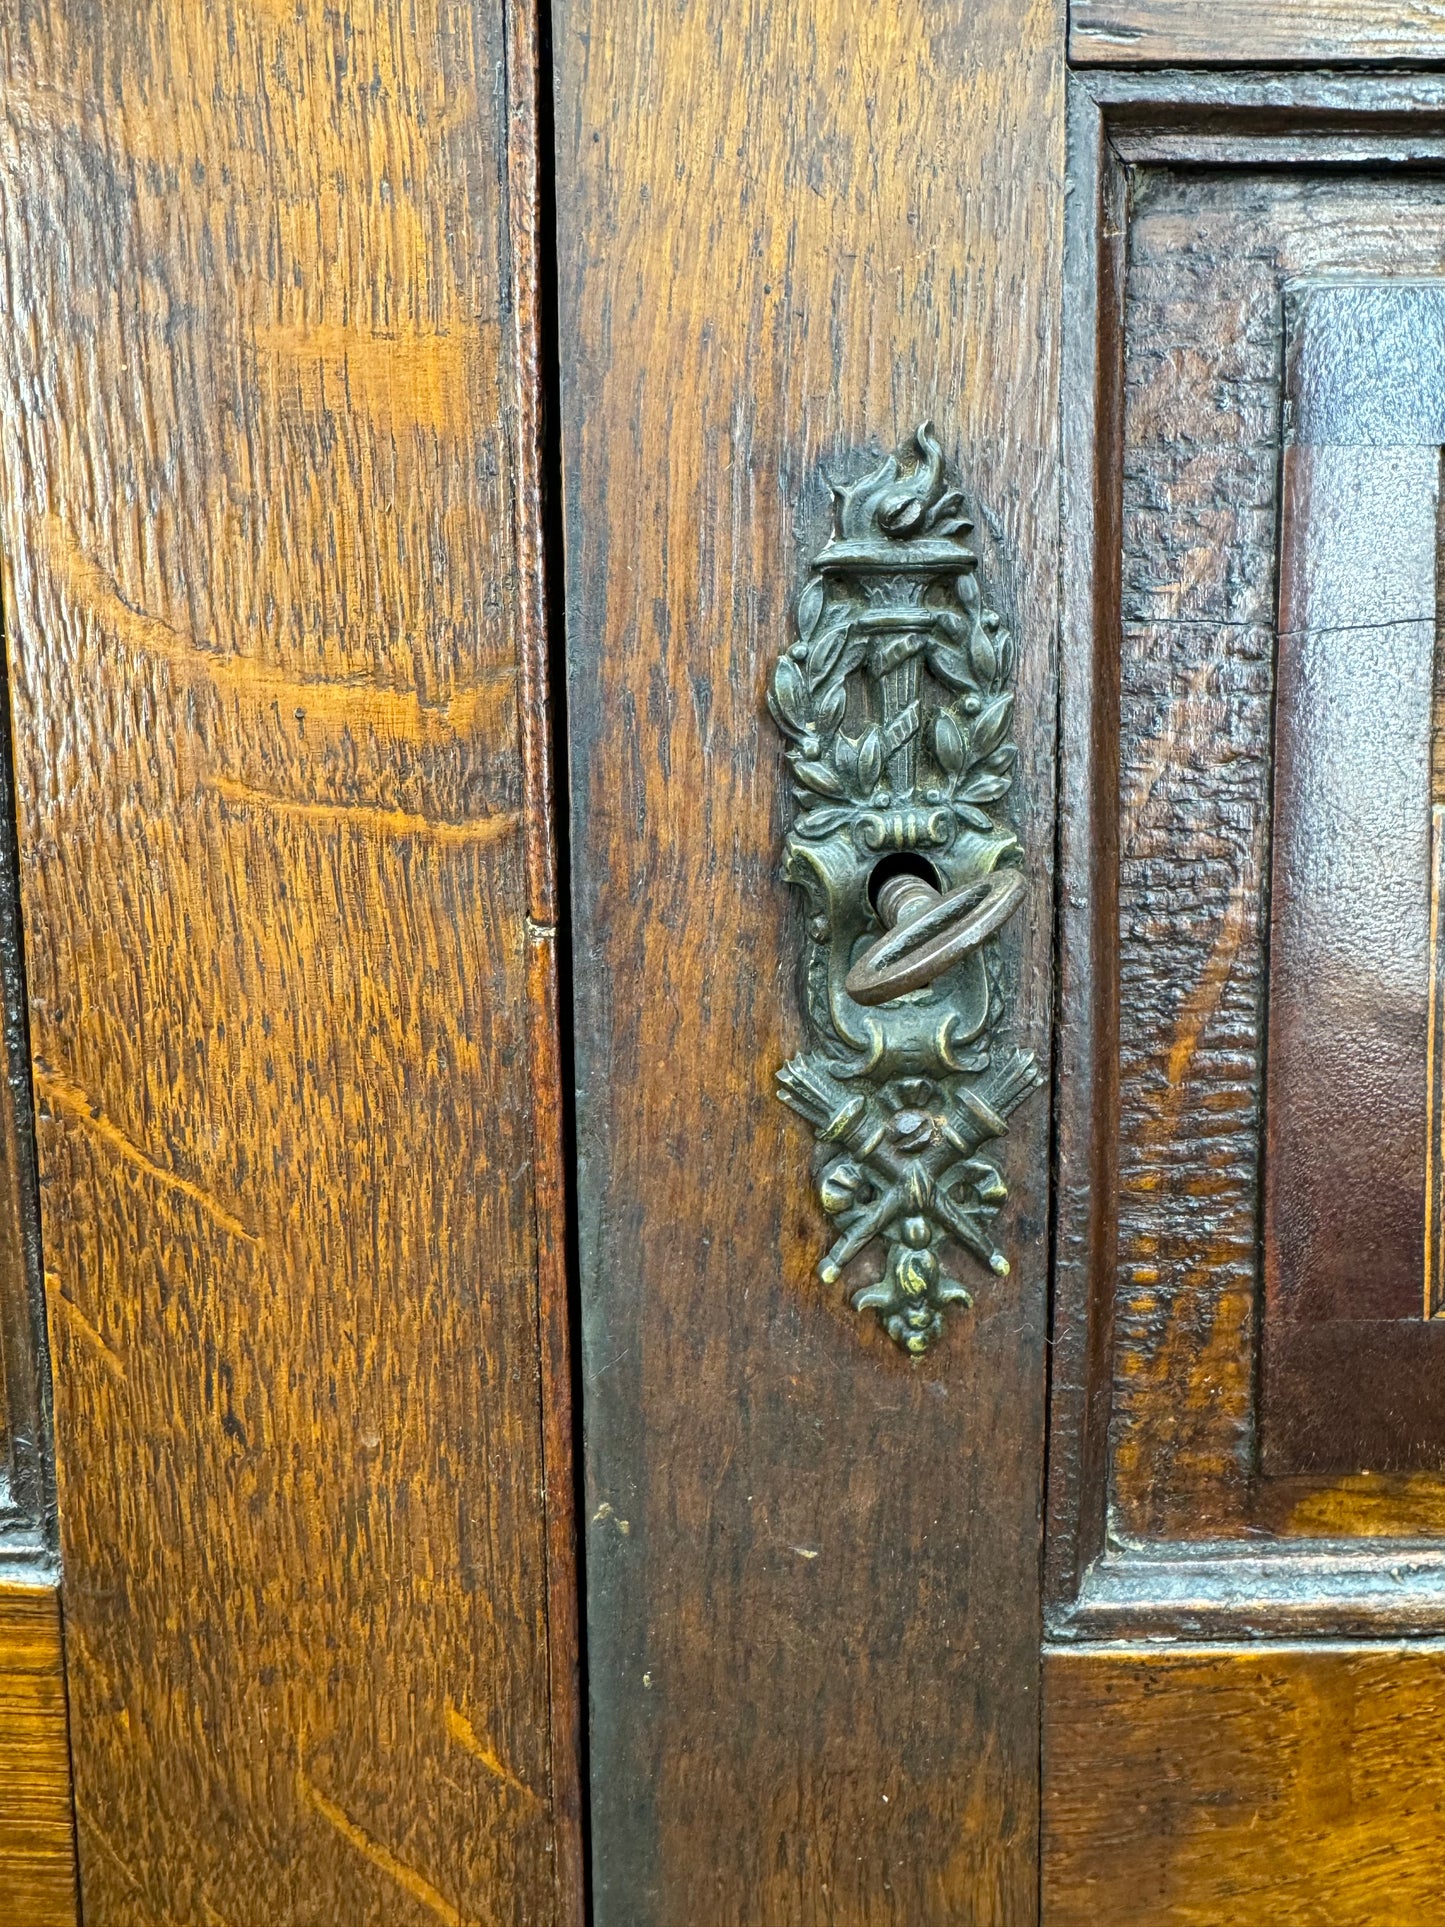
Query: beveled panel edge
x,y
1086,947
1222,1590
1178,113
27,1562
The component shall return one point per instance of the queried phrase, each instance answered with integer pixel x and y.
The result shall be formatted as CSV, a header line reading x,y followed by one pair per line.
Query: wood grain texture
x,y
1209,252
37,1829
269,472
1202,196
1201,436
1191,1788
1087,946
1165,33
787,235
1351,1369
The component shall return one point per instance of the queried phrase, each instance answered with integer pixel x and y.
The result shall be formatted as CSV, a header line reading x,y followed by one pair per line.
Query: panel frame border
x,y
1209,1589
1140,34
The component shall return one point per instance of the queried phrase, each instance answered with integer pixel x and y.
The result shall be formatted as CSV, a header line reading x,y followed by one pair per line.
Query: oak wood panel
x,y
1087,947
37,1829
1351,1363
1163,33
1201,435
1209,254
786,236
1209,193
269,502
1205,1788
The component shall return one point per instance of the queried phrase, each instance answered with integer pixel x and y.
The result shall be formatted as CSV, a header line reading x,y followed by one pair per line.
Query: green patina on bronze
x,y
895,702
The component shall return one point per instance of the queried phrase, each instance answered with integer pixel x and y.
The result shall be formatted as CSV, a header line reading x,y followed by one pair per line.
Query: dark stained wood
x,y
1165,33
1353,1375
1188,1784
787,236
37,1831
1193,1788
27,1474
268,428
1202,411
1086,1137
1158,1273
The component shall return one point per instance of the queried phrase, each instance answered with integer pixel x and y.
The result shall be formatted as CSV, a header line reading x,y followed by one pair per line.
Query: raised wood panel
x,y
787,235
269,498
1175,398
1351,1366
1165,33
1228,1787
1209,256
37,1831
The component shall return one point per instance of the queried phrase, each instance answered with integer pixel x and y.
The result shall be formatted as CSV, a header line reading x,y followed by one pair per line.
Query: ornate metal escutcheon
x,y
895,702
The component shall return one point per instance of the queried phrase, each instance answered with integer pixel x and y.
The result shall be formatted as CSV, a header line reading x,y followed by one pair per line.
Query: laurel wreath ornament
x,y
894,702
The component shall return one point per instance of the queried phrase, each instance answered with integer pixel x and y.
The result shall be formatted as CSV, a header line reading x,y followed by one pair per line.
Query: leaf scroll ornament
x,y
895,705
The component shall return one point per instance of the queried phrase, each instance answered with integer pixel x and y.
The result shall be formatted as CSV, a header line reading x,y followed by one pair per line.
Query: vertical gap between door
x,y
554,592
538,530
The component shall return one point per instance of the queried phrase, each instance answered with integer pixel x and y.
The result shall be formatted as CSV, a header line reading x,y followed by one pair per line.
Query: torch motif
x,y
895,703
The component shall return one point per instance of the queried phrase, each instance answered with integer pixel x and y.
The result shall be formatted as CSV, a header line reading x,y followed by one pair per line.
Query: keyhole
x,y
892,906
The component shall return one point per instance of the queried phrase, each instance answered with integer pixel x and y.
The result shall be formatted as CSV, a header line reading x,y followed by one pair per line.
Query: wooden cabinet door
x,y
787,237
1116,1599
1243,1687
269,492
962,484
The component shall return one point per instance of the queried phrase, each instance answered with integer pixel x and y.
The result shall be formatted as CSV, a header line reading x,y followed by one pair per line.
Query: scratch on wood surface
x,y
109,1356
72,1101
465,1734
485,706
365,816
417,1885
